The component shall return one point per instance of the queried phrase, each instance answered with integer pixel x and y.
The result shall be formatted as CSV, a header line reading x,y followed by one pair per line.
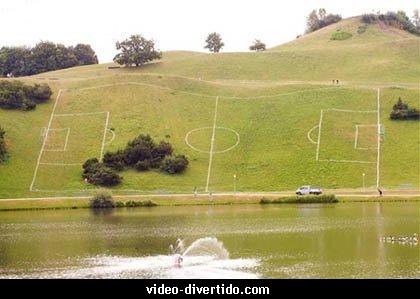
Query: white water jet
x,y
208,246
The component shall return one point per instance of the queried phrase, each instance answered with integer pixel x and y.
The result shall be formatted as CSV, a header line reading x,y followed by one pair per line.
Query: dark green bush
x,y
174,164
142,165
102,200
17,95
401,111
114,160
397,19
97,173
326,198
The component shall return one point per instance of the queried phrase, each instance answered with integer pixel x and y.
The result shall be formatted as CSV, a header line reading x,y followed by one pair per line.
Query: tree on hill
x,y
398,20
45,56
214,42
416,19
137,51
319,19
257,45
85,54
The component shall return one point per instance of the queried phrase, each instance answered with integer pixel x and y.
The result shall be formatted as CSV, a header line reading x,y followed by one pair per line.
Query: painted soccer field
x,y
270,139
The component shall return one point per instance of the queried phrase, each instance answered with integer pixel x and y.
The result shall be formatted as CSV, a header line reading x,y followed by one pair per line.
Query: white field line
x,y
347,161
65,142
356,136
379,143
79,114
104,137
309,134
43,143
350,111
67,139
205,95
319,135
212,144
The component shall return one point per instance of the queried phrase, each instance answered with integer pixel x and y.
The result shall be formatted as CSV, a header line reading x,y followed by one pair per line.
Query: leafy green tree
x,y
15,61
85,54
174,164
257,45
137,51
214,42
317,20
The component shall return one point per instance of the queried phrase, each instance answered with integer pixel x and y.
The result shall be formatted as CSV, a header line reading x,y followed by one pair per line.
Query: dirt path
x,y
341,192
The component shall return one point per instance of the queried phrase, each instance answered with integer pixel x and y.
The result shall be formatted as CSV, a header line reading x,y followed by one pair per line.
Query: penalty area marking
x,y
346,161
65,142
356,138
208,128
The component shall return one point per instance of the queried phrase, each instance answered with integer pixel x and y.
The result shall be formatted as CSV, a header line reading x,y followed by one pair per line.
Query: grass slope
x,y
270,99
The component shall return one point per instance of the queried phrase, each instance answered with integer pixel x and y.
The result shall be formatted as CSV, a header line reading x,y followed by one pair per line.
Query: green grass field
x,y
263,108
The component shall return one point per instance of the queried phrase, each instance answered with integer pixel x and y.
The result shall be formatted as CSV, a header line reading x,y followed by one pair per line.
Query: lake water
x,y
274,241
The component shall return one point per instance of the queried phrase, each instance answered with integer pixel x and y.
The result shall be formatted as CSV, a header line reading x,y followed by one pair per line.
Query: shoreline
x,y
182,200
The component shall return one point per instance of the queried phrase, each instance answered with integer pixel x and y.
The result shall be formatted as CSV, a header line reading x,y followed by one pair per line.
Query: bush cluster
x,y
143,153
136,204
397,19
3,150
326,198
44,57
17,95
97,173
102,200
401,111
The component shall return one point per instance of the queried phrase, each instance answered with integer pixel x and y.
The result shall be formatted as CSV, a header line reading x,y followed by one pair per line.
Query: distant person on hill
x,y
380,192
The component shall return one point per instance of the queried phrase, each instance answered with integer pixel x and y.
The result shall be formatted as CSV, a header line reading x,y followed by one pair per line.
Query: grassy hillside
x,y
268,108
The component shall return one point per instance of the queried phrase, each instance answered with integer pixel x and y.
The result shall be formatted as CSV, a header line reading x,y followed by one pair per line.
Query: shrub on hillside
x,y
401,111
142,153
257,45
3,150
114,160
102,200
17,95
97,173
174,164
397,19
341,35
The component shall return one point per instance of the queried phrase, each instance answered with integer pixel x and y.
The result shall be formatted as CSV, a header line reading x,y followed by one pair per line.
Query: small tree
x,y
137,51
102,200
257,46
214,42
175,164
